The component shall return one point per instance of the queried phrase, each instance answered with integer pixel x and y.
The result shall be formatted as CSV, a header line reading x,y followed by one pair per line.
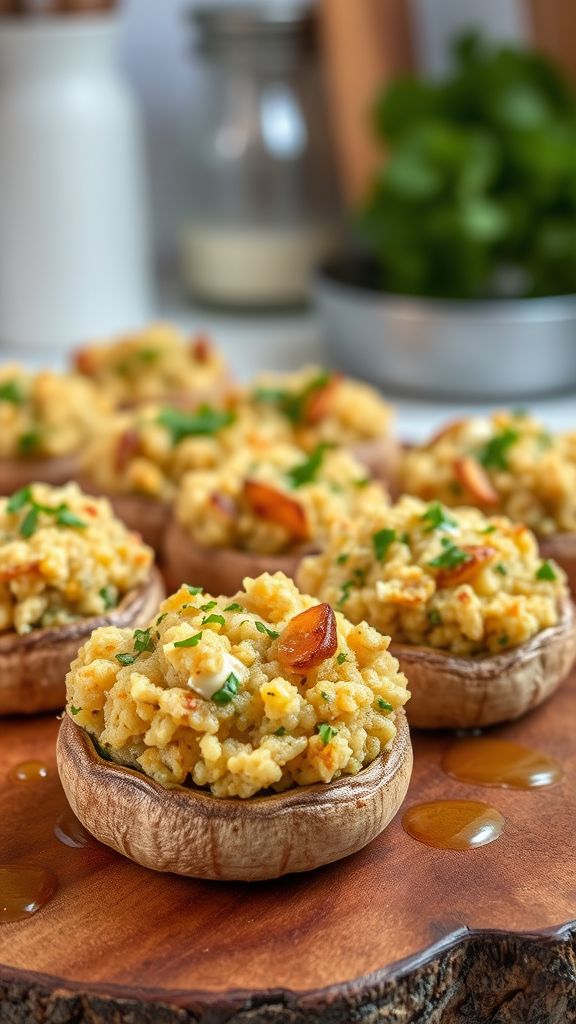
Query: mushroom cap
x,y
451,692
33,665
55,470
190,832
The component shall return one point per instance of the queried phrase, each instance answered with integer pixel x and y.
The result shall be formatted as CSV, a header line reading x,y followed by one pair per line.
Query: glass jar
x,y
263,209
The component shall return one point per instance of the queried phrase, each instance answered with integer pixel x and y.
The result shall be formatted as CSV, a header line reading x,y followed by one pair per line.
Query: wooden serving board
x,y
399,932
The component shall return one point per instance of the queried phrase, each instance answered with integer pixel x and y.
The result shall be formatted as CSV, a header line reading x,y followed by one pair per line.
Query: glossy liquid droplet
x,y
453,824
493,762
69,831
24,889
28,771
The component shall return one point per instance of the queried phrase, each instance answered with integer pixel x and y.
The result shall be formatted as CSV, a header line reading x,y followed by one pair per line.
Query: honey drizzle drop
x,y
24,889
28,771
453,824
495,762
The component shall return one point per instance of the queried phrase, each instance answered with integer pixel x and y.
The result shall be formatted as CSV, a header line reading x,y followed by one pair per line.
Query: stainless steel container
x,y
505,348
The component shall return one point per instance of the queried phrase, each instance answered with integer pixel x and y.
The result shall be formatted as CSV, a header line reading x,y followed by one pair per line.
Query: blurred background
x,y
200,162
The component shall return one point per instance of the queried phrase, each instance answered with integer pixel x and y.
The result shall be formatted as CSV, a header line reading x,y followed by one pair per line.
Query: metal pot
x,y
494,348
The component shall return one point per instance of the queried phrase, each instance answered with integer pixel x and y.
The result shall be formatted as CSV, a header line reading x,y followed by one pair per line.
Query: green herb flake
x,y
324,695
501,569
434,617
504,640
306,472
161,618
281,731
126,659
208,606
405,538
189,641
342,657
74,711
345,589
382,541
384,705
228,691
64,517
436,518
450,557
11,391
547,572
109,596
262,628
292,404
143,640
362,481
194,590
234,607
29,523
203,423
326,732
29,441
488,529
216,619
19,499
494,454
343,558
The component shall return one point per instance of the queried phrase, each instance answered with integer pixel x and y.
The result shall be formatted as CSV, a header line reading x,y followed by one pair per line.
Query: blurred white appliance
x,y
74,247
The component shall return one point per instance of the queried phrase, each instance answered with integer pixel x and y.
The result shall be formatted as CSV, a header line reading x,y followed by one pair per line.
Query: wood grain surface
x,y
399,932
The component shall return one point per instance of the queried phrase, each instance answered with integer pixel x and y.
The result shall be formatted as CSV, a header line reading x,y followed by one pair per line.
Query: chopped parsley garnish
x,y
501,569
450,557
208,606
382,541
326,732
262,628
436,518
74,710
148,355
189,641
281,731
19,499
161,618
29,441
546,572
324,695
194,590
405,538
345,589
384,705
11,391
228,691
343,558
494,454
342,657
143,640
504,640
109,596
203,423
126,659
63,516
305,472
434,617
216,619
234,607
29,523
488,529
362,481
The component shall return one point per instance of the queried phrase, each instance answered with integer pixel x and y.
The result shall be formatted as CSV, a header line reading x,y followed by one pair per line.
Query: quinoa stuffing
x,y
63,556
46,414
272,502
428,575
158,362
506,463
263,690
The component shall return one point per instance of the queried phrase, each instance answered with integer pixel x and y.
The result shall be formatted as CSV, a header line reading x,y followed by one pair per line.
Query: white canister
x,y
74,248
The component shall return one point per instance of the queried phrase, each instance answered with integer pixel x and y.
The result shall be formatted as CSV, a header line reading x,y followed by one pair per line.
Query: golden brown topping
x,y
444,431
474,479
308,639
201,348
319,403
277,507
127,447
